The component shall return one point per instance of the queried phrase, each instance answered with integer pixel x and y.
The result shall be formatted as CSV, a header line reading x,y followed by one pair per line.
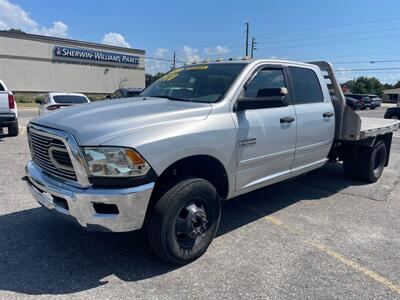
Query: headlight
x,y
115,162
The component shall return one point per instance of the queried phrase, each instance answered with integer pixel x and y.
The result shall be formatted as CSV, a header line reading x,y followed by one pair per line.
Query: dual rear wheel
x,y
367,163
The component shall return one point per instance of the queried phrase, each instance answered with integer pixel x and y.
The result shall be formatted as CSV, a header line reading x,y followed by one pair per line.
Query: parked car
x,y
8,111
54,101
353,103
376,101
393,112
168,161
125,93
363,99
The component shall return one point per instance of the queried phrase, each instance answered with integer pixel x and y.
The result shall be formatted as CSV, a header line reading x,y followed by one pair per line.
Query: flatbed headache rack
x,y
349,125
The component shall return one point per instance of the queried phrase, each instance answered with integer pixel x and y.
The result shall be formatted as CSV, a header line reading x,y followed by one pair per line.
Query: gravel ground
x,y
318,236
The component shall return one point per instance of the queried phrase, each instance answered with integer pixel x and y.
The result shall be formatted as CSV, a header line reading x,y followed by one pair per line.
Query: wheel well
x,y
350,151
200,166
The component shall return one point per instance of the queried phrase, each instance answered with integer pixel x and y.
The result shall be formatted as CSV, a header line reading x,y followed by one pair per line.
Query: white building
x,y
34,63
392,95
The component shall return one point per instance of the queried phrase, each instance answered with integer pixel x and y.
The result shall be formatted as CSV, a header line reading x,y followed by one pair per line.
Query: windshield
x,y
69,99
199,83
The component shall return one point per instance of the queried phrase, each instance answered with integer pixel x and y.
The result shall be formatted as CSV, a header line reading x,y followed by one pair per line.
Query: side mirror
x,y
266,98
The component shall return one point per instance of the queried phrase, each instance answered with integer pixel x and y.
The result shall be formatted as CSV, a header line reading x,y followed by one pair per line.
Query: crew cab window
x,y
306,86
265,79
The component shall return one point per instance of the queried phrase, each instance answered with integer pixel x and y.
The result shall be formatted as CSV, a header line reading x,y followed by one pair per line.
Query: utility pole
x,y
253,46
174,61
247,38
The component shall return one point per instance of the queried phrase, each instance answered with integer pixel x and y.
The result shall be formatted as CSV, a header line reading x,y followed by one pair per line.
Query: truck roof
x,y
248,61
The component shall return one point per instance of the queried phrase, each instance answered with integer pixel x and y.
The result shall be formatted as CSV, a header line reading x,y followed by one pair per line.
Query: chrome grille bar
x,y
67,156
41,155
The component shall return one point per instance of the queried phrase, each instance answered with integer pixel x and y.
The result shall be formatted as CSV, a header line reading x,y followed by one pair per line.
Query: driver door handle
x,y
287,120
327,114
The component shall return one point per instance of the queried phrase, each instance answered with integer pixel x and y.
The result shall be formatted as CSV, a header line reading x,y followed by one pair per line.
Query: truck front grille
x,y
51,155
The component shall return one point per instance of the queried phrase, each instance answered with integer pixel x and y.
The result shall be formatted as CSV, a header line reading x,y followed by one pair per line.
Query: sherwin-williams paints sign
x,y
77,53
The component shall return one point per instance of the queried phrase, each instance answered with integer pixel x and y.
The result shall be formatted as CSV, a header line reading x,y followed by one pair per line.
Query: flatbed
x,y
371,127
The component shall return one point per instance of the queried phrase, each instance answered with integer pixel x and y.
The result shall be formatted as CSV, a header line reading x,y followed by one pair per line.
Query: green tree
x,y
397,85
365,85
152,78
15,30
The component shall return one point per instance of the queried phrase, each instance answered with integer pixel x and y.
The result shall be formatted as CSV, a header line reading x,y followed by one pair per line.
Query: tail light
x,y
11,103
53,107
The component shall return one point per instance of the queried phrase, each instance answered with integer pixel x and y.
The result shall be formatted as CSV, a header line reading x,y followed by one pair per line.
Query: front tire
x,y
184,221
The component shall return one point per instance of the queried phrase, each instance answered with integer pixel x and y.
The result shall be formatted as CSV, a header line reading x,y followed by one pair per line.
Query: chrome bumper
x,y
131,202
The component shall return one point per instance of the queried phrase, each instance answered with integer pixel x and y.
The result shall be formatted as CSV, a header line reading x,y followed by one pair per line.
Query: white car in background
x,y
54,101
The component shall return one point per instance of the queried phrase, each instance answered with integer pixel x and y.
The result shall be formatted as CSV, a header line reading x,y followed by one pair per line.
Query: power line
x,y
330,26
332,42
298,30
164,59
214,43
331,36
374,72
367,69
366,61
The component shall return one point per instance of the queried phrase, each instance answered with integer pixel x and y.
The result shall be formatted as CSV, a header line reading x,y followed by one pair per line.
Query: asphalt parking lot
x,y
318,236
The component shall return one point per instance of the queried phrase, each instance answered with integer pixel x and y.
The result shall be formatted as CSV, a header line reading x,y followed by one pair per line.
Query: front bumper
x,y
80,203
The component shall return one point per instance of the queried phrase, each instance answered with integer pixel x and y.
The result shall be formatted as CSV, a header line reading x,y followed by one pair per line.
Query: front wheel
x,y
184,221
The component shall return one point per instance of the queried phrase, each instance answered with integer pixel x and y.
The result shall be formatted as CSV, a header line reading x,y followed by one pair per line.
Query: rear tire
x,y
372,162
13,130
372,107
184,221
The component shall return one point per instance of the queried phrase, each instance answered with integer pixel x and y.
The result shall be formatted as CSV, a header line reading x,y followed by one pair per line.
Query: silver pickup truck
x,y
8,111
201,134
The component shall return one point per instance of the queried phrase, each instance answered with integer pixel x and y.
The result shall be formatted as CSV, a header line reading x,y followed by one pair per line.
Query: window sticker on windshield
x,y
171,75
197,68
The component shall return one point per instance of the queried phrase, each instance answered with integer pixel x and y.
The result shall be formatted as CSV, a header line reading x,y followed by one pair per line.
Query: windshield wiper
x,y
172,98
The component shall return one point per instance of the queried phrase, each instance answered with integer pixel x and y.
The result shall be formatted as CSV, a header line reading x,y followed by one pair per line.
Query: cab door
x,y
315,118
266,129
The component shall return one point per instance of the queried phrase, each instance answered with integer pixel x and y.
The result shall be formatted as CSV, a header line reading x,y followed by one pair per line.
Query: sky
x,y
349,33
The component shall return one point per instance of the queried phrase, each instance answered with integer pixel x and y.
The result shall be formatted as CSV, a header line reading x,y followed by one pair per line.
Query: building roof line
x,y
43,38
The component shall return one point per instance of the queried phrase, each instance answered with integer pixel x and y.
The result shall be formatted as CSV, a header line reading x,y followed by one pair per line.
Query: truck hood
x,y
98,122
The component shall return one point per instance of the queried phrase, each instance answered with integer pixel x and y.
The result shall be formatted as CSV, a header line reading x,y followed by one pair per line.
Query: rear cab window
x,y
306,86
1,88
